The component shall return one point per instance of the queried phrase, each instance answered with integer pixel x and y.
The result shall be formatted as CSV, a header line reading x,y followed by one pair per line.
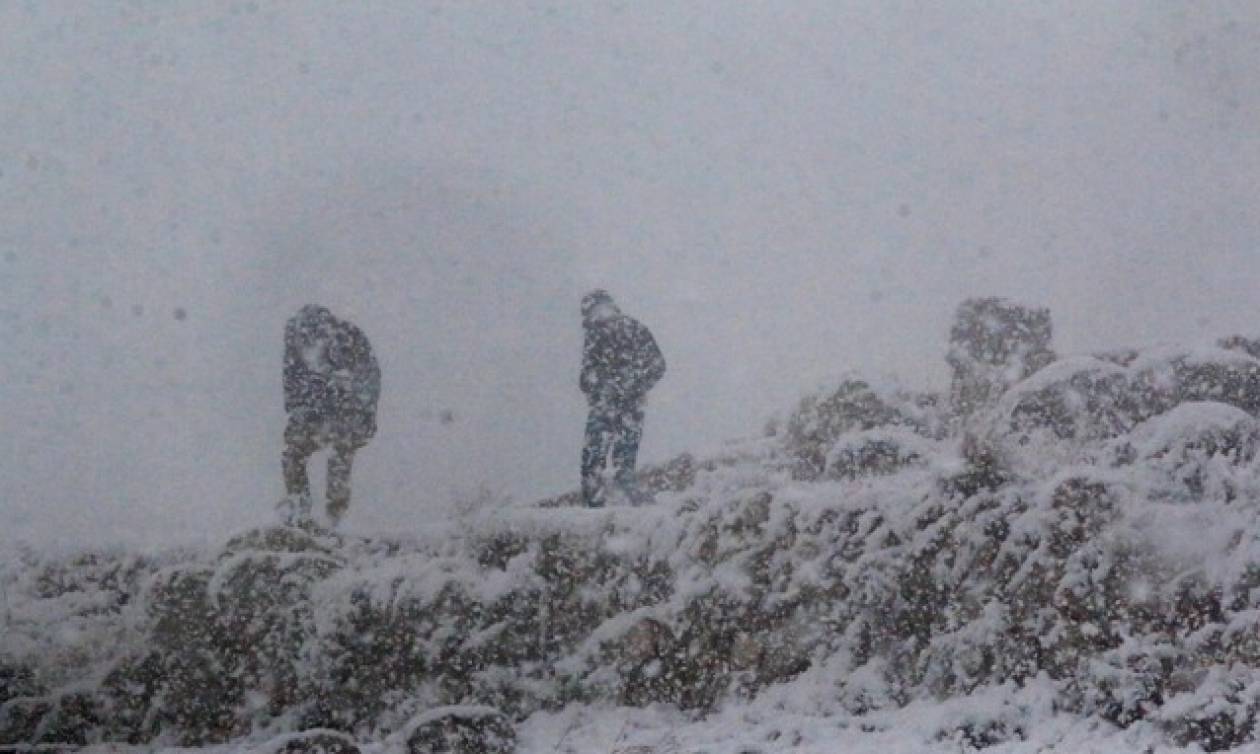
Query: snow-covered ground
x,y
741,730
744,729
1074,568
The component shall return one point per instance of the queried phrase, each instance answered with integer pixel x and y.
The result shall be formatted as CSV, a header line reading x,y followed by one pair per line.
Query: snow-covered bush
x,y
460,730
881,451
316,741
1249,346
1089,544
1199,450
856,405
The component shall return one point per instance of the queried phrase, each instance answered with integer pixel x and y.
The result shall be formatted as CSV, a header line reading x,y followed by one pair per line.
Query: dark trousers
x,y
302,437
610,426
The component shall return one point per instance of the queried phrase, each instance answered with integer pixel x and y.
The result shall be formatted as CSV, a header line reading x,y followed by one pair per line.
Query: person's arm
x,y
648,363
588,380
367,390
355,370
367,381
293,367
656,361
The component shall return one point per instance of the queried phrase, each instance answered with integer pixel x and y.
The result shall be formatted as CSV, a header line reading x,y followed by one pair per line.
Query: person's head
x,y
598,305
314,322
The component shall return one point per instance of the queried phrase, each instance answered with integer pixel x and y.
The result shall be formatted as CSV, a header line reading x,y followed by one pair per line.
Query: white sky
x,y
781,191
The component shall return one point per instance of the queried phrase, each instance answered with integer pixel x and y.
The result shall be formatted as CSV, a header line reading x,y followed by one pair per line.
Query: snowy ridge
x,y
1075,566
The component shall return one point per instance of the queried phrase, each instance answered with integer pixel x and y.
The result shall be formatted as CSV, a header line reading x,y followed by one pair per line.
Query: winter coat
x,y
330,374
620,361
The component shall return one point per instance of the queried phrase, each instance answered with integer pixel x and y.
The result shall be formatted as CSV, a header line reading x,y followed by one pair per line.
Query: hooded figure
x,y
993,344
331,386
620,364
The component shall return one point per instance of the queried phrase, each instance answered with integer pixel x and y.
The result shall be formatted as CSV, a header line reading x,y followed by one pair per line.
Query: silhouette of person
x,y
331,386
620,364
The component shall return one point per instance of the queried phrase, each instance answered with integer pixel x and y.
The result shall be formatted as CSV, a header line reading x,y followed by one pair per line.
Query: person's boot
x,y
593,491
294,509
337,508
339,465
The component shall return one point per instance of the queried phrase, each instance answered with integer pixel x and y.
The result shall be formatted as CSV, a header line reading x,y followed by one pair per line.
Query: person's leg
x,y
339,463
594,455
300,441
626,436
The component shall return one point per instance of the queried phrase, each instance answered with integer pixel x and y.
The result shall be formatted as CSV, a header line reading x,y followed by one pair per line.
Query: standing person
x,y
331,386
620,364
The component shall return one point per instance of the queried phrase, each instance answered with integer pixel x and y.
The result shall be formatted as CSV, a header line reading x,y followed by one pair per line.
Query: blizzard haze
x,y
782,192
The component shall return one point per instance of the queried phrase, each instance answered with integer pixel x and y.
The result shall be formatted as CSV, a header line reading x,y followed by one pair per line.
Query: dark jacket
x,y
620,360
343,384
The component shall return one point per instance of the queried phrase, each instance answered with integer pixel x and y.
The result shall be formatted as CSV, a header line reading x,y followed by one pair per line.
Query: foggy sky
x,y
783,192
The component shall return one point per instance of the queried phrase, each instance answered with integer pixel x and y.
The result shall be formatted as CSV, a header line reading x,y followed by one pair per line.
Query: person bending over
x,y
331,386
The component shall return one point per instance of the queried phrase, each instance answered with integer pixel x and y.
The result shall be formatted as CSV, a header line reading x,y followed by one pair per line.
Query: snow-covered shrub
x,y
1080,399
20,719
73,717
856,405
1059,416
1220,714
362,660
316,741
1167,377
16,680
1196,451
223,641
881,451
1090,544
1249,346
641,655
460,730
65,619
